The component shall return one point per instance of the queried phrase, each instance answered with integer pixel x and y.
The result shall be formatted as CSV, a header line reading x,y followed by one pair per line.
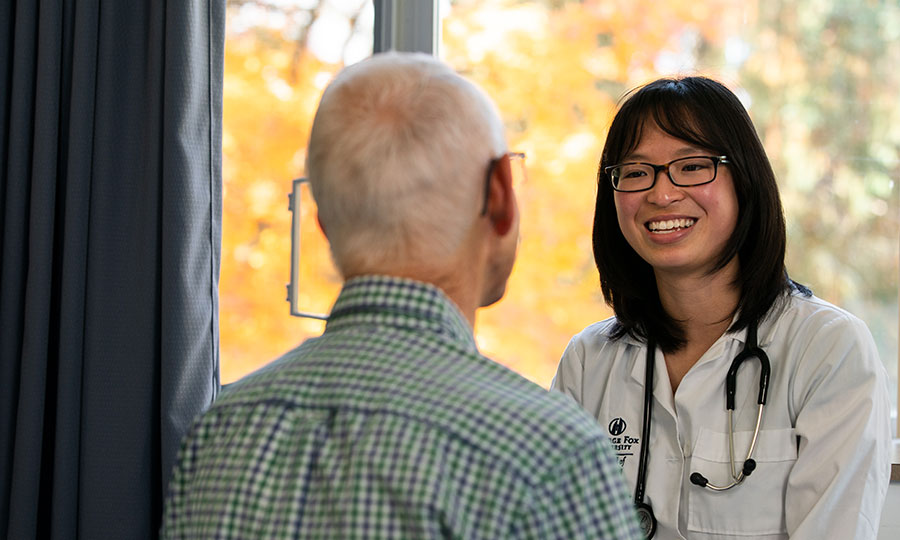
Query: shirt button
x,y
686,449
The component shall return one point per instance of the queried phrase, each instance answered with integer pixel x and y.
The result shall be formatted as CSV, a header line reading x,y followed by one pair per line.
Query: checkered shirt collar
x,y
400,303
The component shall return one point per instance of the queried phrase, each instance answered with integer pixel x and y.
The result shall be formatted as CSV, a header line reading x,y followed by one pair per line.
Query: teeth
x,y
671,224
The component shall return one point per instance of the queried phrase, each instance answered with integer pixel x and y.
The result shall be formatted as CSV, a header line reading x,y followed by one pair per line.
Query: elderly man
x,y
391,424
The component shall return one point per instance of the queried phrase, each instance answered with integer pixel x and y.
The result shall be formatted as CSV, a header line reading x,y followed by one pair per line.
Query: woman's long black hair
x,y
704,113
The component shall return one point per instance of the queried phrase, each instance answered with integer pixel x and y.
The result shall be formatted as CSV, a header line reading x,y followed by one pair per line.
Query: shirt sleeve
x,y
570,371
837,486
584,497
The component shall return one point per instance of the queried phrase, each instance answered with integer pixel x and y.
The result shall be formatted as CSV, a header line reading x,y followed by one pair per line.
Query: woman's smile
x,y
669,225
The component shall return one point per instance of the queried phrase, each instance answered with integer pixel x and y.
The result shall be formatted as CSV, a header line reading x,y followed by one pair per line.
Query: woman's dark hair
x,y
704,113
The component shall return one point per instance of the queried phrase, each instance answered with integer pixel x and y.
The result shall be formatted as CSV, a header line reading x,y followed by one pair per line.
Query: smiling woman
x,y
695,303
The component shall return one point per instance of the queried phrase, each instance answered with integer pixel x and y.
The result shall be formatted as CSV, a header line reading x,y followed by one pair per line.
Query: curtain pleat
x,y
110,122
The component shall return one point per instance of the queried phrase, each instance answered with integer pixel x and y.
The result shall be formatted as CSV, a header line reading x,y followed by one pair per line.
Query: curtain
x,y
110,222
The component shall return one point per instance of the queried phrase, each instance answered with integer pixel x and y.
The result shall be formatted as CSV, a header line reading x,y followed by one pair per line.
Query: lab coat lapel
x,y
662,388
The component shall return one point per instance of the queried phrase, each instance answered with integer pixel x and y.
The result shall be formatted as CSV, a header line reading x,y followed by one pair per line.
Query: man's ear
x,y
501,204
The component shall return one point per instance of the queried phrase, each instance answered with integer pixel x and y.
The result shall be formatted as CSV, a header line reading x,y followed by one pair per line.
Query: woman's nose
x,y
664,192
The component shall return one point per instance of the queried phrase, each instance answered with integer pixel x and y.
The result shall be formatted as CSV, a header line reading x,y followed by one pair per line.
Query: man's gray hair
x,y
397,160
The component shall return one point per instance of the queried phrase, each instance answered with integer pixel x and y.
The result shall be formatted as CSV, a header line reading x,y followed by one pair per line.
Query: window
x,y
279,56
818,77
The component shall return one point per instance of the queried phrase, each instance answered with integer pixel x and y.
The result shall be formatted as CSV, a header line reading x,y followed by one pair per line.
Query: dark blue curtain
x,y
110,220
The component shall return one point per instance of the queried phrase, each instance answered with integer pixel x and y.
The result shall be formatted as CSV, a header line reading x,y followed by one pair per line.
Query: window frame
x,y
406,25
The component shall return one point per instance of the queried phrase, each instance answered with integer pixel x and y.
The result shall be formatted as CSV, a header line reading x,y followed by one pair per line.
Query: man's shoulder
x,y
452,394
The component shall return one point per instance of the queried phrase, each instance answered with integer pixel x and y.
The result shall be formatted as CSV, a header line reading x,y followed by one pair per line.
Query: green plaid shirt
x,y
392,425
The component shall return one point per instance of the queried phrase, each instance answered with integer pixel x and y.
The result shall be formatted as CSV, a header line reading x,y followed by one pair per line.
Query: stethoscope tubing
x,y
646,517
750,350
645,428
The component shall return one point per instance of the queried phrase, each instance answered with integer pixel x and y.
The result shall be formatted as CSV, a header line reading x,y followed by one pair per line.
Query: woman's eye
x,y
692,167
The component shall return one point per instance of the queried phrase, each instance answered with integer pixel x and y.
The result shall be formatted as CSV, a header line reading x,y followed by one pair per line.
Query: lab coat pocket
x,y
756,506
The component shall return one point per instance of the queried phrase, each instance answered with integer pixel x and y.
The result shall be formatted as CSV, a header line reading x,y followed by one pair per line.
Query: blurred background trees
x,y
819,78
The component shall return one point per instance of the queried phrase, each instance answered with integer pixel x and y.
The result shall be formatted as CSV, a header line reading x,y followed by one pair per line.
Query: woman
x,y
689,241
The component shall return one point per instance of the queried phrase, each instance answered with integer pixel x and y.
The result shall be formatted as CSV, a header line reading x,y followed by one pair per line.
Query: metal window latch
x,y
293,287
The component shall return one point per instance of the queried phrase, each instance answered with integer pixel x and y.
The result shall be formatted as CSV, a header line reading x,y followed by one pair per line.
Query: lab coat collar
x,y
765,336
662,389
765,331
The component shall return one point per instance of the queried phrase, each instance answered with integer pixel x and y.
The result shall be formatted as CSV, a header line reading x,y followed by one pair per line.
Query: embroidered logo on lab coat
x,y
622,443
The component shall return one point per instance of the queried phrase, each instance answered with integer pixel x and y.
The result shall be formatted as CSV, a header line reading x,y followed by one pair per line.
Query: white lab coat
x,y
824,449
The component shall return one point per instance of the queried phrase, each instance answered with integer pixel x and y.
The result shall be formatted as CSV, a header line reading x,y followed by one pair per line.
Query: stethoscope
x,y
751,349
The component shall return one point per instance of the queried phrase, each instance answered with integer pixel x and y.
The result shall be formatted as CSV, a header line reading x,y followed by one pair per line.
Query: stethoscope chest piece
x,y
646,519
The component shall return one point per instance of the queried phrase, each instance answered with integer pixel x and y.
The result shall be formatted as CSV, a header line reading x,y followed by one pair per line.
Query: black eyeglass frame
x,y
490,171
665,167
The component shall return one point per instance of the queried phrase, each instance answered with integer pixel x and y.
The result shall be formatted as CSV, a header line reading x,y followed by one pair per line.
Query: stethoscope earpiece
x,y
749,467
698,479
